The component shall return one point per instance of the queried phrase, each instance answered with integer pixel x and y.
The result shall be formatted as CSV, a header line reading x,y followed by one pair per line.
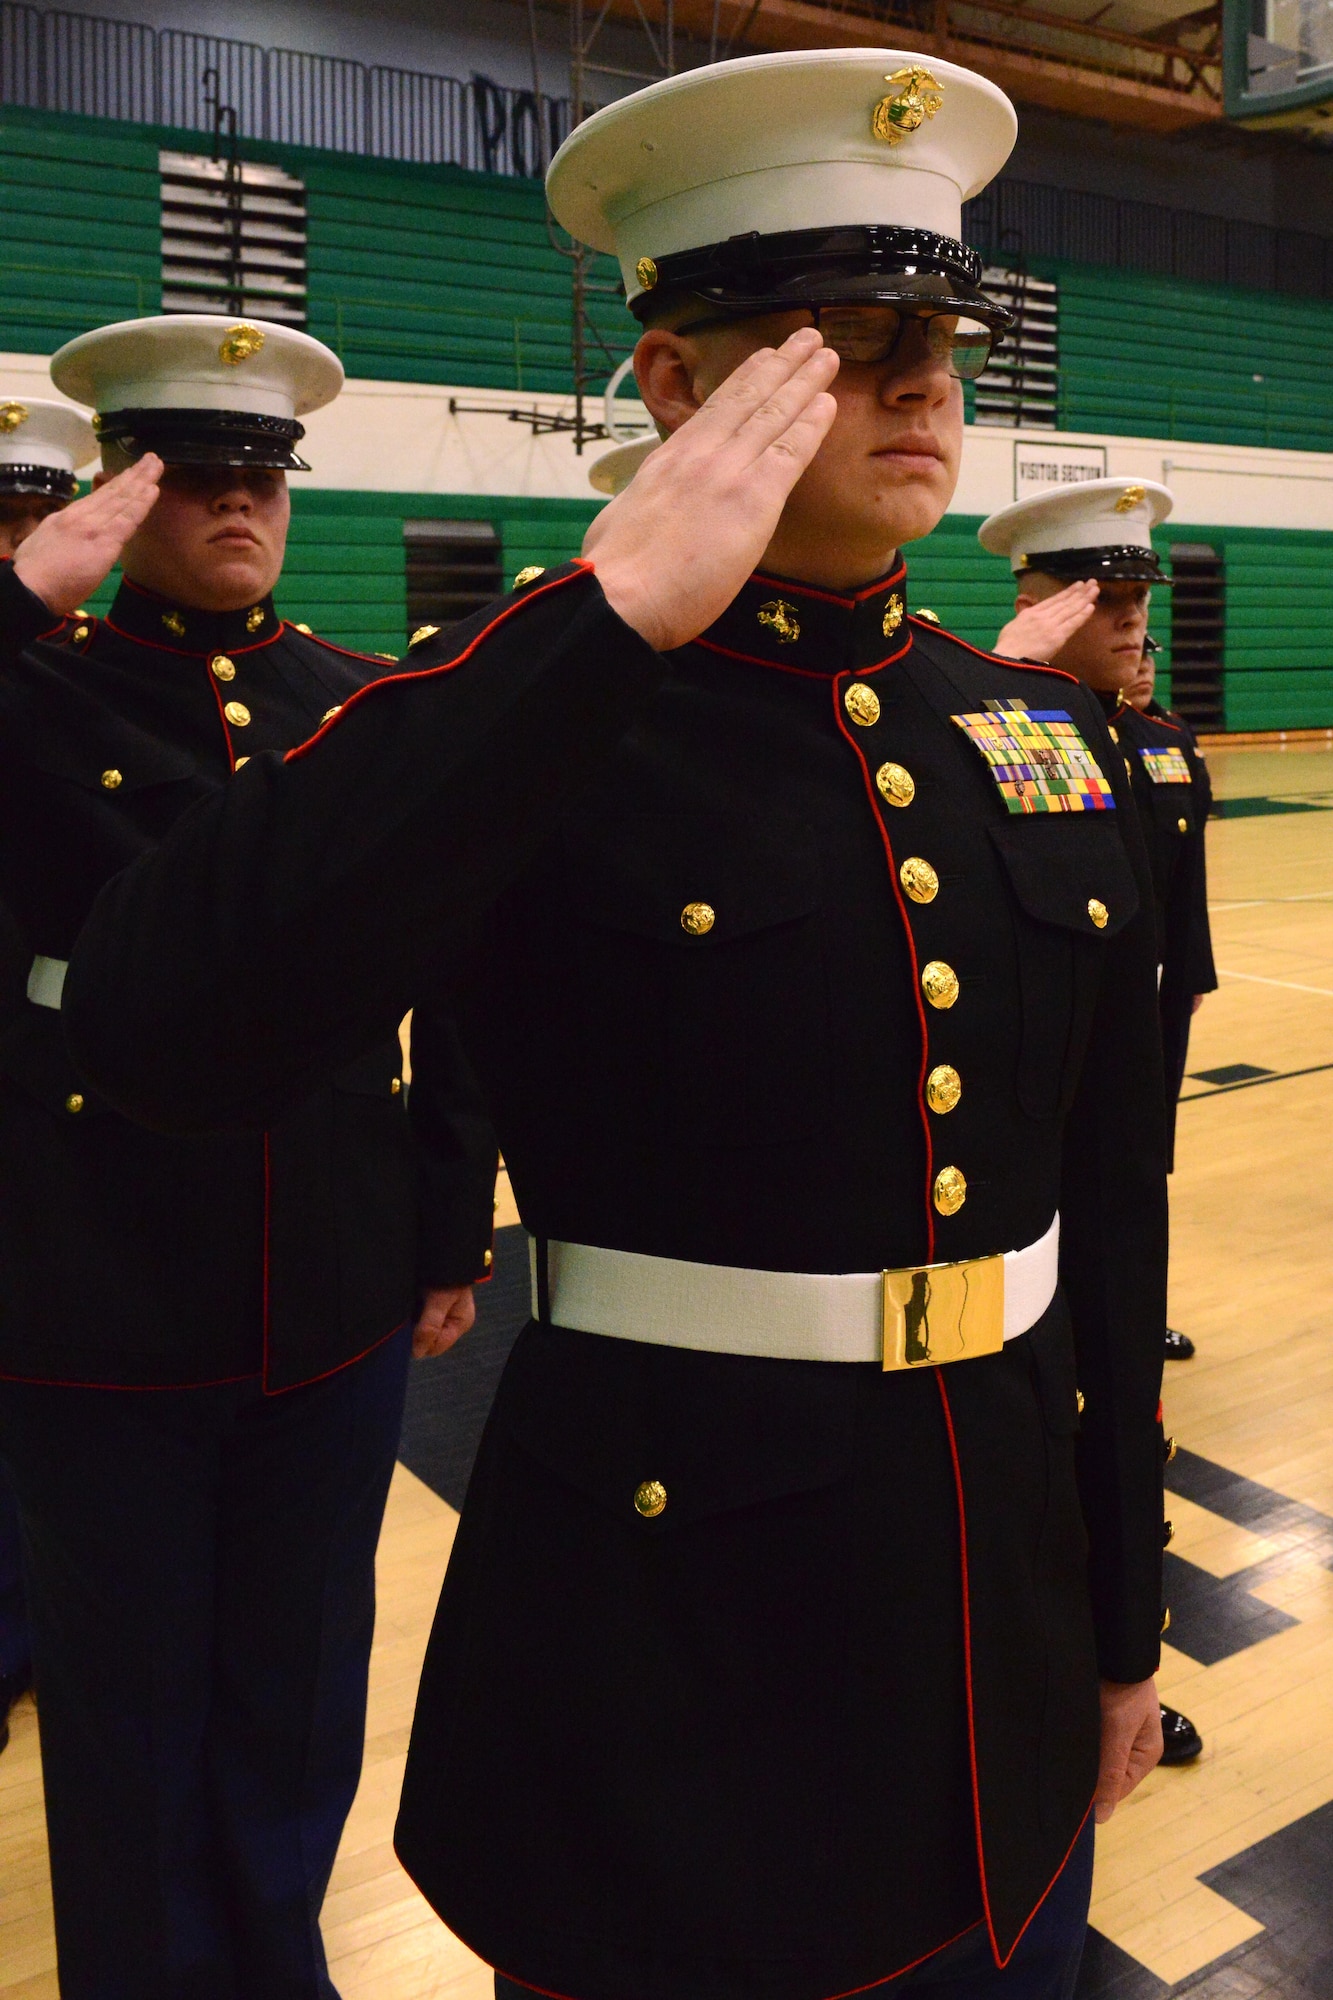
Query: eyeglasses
x,y
871,333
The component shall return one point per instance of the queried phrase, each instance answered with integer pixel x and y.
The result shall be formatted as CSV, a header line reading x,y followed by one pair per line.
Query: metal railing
x,y
57,60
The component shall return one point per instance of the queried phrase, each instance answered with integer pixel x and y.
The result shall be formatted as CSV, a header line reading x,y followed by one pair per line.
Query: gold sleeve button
x,y
862,704
896,784
237,714
74,1102
697,919
950,1190
112,780
944,1087
1099,913
224,668
650,1498
939,983
919,879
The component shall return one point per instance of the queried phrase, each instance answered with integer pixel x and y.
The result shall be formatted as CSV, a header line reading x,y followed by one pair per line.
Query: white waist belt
x,y
46,981
924,1316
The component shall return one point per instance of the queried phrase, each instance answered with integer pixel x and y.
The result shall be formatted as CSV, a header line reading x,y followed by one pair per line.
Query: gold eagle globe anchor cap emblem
x,y
11,416
914,97
240,343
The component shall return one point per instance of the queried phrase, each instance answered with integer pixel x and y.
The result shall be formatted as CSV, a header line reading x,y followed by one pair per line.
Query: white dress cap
x,y
613,471
42,445
199,361
808,139
1081,526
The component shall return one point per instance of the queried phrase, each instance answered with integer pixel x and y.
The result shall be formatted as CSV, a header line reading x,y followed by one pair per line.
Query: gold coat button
x,y
488,1258
112,780
423,632
1168,1533
224,668
299,627
1169,1449
1114,734
1182,826
329,713
74,1102
697,919
395,1086
1080,1401
1166,1619
529,575
939,983
931,617
944,1087
950,1190
650,1498
80,634
236,712
896,784
1099,913
862,704
919,879
241,761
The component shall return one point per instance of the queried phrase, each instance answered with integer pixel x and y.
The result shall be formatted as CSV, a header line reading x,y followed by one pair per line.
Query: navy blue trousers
x,y
202,1595
1043,1967
15,1639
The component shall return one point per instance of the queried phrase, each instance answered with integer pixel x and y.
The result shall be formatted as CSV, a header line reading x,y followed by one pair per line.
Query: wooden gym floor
x,y
1214,1880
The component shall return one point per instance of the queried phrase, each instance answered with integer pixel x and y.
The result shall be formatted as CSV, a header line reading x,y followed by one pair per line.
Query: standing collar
x,y
142,614
775,622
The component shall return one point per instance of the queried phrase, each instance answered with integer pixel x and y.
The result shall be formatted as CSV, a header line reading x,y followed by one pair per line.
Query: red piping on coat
x,y
847,1993
581,568
895,576
971,1712
878,816
191,652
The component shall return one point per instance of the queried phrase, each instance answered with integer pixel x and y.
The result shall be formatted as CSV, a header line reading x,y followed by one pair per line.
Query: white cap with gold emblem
x,y
1096,528
42,446
821,174
200,389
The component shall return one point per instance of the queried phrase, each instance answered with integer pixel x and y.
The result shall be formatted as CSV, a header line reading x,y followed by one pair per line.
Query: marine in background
x,y
1085,568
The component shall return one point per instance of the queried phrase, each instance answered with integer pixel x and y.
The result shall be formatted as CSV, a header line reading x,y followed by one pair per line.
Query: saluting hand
x,y
674,548
65,559
1038,631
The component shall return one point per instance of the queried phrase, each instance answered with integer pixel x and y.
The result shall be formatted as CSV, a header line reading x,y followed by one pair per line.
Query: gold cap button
x,y
896,784
1098,911
1182,826
224,668
395,1086
650,1498
698,919
80,634
237,712
939,983
950,1190
529,575
862,704
74,1102
944,1087
919,879
112,779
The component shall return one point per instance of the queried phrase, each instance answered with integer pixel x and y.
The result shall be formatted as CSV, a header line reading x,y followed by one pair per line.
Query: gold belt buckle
x,y
943,1312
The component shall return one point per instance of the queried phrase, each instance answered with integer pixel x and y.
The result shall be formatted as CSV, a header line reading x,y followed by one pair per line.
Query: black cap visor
x,y
48,482
878,264
206,437
1128,564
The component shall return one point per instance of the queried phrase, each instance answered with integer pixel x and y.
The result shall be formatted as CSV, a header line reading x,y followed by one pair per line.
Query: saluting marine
x,y
201,1556
1085,568
807,957
42,445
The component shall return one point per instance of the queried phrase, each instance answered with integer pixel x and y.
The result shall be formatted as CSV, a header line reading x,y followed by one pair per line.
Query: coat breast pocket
x,y
1072,889
704,935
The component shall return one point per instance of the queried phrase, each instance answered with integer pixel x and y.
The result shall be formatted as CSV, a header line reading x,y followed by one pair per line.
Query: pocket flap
x,y
83,752
1069,870
717,1432
373,1075
734,875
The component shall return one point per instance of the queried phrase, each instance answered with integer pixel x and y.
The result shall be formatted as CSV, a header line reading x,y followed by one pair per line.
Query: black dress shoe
x,y
1181,1741
1179,1346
